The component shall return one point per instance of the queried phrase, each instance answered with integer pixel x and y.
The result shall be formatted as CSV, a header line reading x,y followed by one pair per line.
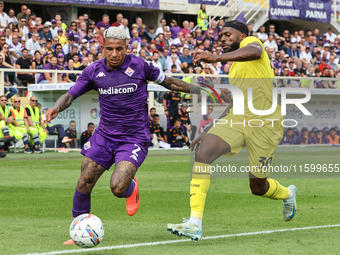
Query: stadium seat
x,y
55,143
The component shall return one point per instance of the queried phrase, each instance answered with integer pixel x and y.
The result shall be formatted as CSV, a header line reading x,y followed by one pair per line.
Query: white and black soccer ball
x,y
87,230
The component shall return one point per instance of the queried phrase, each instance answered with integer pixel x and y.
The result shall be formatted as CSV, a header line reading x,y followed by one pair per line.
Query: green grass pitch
x,y
37,190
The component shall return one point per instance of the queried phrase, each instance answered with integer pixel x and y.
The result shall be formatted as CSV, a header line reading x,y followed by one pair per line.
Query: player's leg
x,y
124,184
90,173
23,131
261,147
212,147
2,144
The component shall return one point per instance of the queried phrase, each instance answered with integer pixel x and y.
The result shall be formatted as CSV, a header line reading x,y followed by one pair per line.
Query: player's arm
x,y
179,85
252,51
62,103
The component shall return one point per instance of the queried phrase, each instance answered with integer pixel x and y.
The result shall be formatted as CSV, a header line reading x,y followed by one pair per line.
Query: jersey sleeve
x,y
153,73
252,39
167,95
83,84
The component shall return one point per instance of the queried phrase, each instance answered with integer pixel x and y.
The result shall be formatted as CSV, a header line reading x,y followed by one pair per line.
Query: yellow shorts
x,y
261,141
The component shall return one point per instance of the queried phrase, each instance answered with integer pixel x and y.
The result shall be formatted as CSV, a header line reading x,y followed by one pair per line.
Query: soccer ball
x,y
87,230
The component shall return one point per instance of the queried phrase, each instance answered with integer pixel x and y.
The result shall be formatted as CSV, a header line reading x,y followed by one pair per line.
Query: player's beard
x,y
234,46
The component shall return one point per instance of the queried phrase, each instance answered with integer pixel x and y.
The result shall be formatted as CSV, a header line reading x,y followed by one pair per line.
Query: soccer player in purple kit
x,y
123,135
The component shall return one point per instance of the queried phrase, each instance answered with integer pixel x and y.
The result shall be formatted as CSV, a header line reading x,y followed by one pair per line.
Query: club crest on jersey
x,y
87,145
129,71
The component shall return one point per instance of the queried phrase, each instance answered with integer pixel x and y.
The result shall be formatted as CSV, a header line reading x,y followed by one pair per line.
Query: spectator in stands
x,y
23,28
272,30
32,45
71,133
11,16
71,54
306,55
202,18
86,135
330,36
212,28
221,23
299,68
68,47
74,32
47,77
327,84
324,65
185,30
332,64
15,48
176,135
70,77
186,58
293,51
82,30
54,28
174,28
58,49
77,64
23,14
3,17
304,138
288,138
262,35
206,120
105,22
271,43
8,86
46,34
37,63
124,26
61,61
24,63
332,138
62,38
156,62
118,22
85,63
160,29
284,82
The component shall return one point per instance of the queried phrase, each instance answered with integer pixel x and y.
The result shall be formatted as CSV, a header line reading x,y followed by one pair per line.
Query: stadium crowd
x,y
28,42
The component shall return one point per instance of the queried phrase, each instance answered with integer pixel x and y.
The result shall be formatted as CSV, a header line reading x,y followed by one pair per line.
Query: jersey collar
x,y
123,66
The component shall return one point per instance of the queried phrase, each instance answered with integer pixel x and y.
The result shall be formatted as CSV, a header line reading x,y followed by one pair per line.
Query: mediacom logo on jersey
x,y
120,89
238,105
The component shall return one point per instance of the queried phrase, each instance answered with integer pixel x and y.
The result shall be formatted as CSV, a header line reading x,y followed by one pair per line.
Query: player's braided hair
x,y
115,33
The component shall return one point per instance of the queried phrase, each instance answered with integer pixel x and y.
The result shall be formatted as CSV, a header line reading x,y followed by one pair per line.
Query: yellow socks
x,y
199,186
276,190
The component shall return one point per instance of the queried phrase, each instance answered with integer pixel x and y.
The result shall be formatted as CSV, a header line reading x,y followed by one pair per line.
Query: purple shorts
x,y
106,151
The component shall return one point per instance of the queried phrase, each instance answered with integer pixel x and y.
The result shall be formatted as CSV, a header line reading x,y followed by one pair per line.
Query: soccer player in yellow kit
x,y
251,68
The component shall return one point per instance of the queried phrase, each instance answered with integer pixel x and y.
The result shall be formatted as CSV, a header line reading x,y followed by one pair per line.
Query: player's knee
x,y
117,190
202,156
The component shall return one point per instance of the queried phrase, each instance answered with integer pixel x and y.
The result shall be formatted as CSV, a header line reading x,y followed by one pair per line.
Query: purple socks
x,y
129,190
81,203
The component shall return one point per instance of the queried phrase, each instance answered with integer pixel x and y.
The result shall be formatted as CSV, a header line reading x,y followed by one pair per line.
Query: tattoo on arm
x,y
179,85
63,102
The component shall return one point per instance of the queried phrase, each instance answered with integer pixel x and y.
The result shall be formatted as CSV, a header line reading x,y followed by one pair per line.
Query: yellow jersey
x,y
259,75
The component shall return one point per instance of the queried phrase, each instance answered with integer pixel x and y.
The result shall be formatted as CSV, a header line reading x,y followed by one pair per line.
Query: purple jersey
x,y
288,140
122,96
302,140
277,64
47,67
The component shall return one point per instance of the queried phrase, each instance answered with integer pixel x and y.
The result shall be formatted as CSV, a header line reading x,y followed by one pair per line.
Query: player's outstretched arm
x,y
252,51
180,85
62,103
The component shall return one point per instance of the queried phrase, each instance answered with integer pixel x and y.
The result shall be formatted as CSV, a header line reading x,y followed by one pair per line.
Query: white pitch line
x,y
179,241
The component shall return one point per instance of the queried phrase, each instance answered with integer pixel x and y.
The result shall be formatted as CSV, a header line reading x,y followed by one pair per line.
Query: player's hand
x,y
186,139
46,131
179,112
50,115
166,113
203,56
28,130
